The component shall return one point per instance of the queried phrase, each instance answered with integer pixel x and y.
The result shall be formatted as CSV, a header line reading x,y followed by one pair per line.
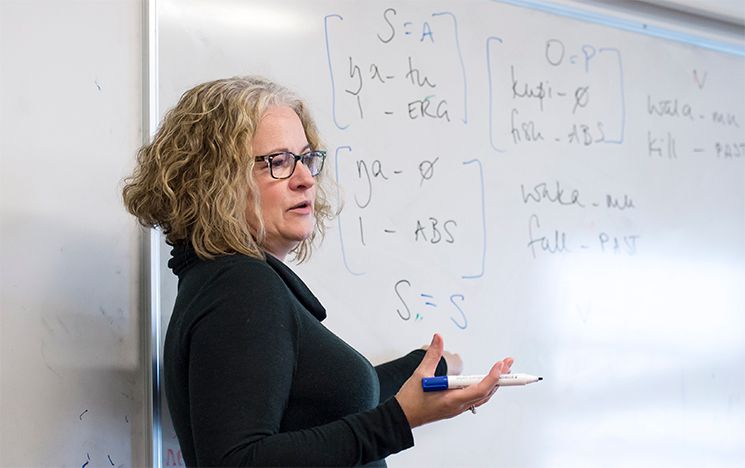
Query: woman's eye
x,y
279,160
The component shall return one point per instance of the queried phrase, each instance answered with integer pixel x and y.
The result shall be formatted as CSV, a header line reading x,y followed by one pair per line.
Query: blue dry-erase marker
x,y
447,382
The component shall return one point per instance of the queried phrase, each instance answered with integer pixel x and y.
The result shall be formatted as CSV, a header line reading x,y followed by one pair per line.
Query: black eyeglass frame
x,y
297,157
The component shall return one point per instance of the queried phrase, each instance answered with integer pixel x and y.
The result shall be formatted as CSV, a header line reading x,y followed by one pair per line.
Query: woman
x,y
234,178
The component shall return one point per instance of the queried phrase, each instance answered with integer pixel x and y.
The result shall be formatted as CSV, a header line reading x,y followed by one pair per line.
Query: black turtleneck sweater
x,y
253,378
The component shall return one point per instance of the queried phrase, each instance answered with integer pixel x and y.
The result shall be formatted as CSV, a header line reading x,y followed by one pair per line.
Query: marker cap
x,y
434,384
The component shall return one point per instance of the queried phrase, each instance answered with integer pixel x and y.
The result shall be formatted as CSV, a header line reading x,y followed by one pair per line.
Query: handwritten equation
x,y
407,205
422,122
556,94
547,240
409,67
677,123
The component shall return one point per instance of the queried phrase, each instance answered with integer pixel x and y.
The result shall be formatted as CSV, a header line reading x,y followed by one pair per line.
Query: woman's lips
x,y
302,208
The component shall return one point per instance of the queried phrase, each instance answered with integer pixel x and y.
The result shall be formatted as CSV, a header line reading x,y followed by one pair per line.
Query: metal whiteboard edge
x,y
151,245
628,25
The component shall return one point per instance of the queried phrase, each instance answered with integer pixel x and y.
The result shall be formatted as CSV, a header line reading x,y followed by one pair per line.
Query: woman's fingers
x,y
487,398
491,379
480,393
476,393
507,365
431,357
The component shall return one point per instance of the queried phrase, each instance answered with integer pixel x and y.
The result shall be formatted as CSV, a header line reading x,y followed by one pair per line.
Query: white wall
x,y
71,367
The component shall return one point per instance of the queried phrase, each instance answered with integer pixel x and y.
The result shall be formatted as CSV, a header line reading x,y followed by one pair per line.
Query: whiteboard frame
x,y
151,247
628,25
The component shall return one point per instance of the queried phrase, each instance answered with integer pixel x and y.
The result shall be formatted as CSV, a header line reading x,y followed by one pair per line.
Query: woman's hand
x,y
453,360
422,408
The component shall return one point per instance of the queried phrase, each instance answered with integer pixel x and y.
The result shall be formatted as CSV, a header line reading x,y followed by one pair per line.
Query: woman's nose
x,y
301,178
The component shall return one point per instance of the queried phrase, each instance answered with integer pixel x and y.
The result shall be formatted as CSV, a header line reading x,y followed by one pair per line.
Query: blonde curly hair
x,y
195,179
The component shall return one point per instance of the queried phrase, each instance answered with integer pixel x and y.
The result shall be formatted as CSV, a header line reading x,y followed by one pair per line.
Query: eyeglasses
x,y
282,165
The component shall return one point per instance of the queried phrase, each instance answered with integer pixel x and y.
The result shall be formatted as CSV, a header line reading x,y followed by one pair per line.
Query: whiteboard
x,y
528,183
72,374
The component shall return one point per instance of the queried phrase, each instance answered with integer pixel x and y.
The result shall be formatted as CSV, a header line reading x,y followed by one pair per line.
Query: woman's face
x,y
286,204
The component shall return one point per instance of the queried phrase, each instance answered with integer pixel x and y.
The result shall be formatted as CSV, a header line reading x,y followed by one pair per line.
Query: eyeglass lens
x,y
283,164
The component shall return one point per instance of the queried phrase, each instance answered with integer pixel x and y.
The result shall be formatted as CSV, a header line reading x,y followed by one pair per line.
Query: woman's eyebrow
x,y
285,149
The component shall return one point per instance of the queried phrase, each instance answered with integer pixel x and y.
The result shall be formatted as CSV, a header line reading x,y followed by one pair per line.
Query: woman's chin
x,y
287,244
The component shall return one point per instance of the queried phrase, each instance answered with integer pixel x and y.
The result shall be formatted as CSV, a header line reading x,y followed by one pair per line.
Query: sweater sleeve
x,y
393,374
242,357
